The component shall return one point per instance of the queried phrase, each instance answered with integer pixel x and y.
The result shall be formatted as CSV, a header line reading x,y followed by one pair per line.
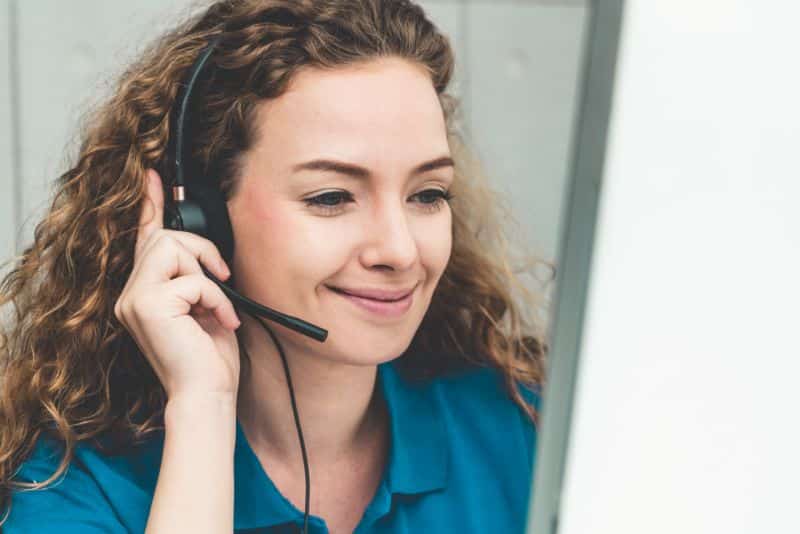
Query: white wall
x,y
8,216
522,65
686,410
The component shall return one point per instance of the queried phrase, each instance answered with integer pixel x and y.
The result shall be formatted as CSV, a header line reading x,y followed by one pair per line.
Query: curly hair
x,y
69,368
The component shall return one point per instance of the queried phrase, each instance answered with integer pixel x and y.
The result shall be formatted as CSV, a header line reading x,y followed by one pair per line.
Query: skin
x,y
384,116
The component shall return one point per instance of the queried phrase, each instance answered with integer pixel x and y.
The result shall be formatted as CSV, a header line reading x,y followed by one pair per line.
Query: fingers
x,y
197,290
152,215
168,262
170,253
187,285
180,297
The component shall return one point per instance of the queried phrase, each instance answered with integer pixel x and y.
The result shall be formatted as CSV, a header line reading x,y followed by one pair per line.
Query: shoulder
x,y
476,407
489,443
96,493
478,397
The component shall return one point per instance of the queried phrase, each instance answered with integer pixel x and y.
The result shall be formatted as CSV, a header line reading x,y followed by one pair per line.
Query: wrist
x,y
204,406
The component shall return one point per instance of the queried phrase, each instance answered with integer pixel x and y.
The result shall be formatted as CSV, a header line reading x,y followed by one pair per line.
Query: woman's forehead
x,y
386,100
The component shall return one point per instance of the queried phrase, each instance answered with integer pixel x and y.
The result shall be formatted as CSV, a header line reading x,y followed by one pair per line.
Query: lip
x,y
375,294
384,308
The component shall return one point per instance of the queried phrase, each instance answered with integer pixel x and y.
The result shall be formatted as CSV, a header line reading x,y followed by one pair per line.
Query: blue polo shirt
x,y
461,460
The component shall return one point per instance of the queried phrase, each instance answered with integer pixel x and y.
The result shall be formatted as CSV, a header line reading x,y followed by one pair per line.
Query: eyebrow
x,y
360,172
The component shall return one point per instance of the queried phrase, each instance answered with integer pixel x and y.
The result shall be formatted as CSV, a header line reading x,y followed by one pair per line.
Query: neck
x,y
340,412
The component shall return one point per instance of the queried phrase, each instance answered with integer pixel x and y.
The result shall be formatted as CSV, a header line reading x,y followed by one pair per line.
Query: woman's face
x,y
302,229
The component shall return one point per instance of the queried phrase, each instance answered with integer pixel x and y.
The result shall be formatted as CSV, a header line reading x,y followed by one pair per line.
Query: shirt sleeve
x,y
74,503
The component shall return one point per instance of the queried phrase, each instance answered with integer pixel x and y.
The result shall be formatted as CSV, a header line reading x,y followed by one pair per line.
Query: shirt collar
x,y
418,453
257,502
418,456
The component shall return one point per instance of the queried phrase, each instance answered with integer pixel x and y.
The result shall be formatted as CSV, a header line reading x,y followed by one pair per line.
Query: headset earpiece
x,y
203,212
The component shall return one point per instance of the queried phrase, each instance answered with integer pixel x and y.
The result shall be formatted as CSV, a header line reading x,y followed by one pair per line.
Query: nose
x,y
390,242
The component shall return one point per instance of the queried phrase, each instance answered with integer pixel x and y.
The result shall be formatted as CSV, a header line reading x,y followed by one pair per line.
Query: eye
x,y
433,199
330,202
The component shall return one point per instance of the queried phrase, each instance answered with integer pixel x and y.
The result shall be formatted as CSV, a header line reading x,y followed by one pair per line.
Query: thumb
x,y
152,215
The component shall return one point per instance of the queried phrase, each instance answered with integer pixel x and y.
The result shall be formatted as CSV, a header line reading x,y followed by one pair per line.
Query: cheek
x,y
435,243
278,242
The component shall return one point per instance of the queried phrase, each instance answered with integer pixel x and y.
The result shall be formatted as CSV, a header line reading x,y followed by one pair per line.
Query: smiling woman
x,y
130,379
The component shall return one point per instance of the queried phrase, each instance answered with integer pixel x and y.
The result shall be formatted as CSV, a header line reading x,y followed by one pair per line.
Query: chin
x,y
367,350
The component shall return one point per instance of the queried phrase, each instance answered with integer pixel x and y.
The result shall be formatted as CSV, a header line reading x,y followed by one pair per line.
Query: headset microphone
x,y
252,307
201,209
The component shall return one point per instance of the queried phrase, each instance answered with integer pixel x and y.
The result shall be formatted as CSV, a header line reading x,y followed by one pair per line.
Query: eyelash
x,y
318,201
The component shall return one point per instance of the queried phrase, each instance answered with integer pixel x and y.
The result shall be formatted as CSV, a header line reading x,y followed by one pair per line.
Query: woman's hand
x,y
183,323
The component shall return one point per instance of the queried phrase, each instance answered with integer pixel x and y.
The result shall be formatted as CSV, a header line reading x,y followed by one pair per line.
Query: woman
x,y
327,128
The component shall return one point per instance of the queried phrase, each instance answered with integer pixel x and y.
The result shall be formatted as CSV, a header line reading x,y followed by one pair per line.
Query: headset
x,y
201,209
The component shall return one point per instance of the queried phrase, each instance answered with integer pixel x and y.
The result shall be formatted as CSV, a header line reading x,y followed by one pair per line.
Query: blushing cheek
x,y
266,232
259,240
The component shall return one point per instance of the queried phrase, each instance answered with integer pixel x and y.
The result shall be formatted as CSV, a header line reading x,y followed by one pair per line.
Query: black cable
x,y
296,415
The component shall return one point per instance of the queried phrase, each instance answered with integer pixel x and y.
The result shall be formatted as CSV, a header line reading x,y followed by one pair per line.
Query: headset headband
x,y
193,75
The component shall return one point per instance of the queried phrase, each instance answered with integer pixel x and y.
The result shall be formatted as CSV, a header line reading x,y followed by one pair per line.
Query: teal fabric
x,y
461,460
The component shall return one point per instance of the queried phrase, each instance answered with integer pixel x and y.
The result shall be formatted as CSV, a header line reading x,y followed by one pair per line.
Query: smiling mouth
x,y
379,308
342,292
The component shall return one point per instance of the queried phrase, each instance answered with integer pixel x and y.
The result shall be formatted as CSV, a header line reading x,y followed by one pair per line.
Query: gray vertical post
x,y
577,235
